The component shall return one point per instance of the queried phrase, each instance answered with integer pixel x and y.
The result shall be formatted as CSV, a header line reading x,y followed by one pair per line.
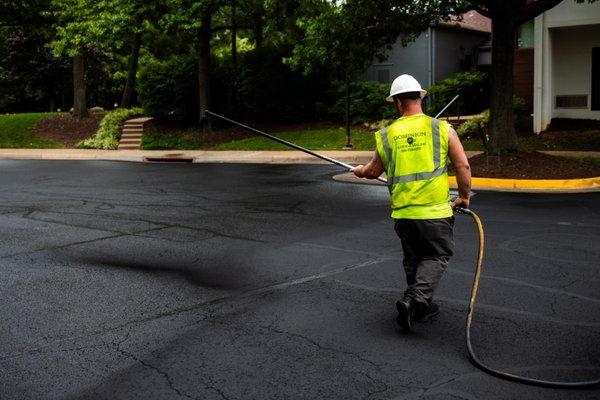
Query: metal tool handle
x,y
303,149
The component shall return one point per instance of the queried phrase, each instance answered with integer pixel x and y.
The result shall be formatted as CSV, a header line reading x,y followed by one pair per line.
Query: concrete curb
x,y
196,156
506,185
297,157
533,185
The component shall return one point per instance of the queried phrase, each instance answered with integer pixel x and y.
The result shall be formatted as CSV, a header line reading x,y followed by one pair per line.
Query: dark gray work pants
x,y
428,245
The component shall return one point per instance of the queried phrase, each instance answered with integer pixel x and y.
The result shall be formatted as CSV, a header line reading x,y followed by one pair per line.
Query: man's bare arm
x,y
463,169
372,170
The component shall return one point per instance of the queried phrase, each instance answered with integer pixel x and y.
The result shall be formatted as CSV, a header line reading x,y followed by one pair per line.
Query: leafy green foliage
x,y
167,89
30,77
17,131
267,88
367,102
109,132
345,37
105,24
471,128
183,140
473,88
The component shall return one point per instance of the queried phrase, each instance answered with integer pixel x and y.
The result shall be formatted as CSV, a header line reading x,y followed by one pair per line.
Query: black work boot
x,y
426,312
406,312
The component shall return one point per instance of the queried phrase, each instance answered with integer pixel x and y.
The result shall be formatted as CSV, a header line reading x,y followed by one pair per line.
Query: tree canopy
x,y
221,49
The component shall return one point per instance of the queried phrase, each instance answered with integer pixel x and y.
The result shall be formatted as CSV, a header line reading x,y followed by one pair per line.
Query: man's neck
x,y
412,111
411,108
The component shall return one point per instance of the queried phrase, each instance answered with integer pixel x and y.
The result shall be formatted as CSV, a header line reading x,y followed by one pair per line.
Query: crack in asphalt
x,y
118,234
525,314
385,388
470,274
162,224
322,347
432,389
435,387
62,246
250,294
165,375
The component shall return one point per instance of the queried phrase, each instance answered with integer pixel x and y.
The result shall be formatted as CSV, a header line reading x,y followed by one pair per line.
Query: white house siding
x,y
564,38
435,55
572,67
412,59
452,46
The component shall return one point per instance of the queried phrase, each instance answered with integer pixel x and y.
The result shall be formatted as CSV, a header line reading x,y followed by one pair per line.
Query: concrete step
x,y
128,143
140,120
131,133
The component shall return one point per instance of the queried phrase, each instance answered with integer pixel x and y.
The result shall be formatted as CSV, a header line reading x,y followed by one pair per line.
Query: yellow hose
x,y
473,298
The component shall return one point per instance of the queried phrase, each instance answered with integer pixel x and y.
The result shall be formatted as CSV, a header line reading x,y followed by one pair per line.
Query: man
x,y
414,151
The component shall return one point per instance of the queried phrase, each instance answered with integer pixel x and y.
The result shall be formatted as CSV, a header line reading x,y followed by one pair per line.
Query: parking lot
x,y
166,281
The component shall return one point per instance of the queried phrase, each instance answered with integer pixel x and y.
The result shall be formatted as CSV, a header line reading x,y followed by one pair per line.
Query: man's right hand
x,y
358,171
461,202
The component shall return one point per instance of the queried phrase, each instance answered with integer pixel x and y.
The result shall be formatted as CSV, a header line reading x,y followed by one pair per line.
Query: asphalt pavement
x,y
228,281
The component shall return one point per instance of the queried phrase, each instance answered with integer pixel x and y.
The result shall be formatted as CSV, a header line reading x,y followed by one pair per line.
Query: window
x,y
526,35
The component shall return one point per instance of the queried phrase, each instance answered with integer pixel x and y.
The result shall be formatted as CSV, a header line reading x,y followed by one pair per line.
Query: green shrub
x,y
520,110
168,89
473,88
367,102
109,132
470,127
269,89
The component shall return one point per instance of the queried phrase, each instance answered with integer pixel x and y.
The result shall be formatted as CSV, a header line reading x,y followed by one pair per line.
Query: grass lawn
x,y
335,139
17,131
324,139
184,140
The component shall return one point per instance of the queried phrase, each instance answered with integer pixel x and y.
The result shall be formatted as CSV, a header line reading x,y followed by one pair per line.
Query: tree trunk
x,y
503,138
234,59
204,34
79,104
348,137
234,55
134,56
258,31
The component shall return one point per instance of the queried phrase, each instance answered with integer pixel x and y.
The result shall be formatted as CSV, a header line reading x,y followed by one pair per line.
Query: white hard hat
x,y
403,84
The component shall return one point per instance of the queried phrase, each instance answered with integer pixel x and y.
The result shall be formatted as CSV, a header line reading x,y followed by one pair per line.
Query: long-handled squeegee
x,y
303,149
475,286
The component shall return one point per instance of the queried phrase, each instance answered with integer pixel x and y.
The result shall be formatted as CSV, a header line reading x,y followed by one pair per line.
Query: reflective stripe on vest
x,y
437,171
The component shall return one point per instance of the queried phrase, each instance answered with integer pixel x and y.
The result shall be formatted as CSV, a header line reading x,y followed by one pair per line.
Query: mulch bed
x,y
530,165
66,129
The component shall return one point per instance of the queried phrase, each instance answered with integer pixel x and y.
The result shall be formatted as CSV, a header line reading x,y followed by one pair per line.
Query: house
x,y
439,52
566,47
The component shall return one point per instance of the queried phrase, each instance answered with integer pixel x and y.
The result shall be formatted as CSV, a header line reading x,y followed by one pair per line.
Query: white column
x,y
538,56
548,84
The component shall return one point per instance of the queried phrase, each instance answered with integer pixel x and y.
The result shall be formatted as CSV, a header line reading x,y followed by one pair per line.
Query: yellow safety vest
x,y
414,152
